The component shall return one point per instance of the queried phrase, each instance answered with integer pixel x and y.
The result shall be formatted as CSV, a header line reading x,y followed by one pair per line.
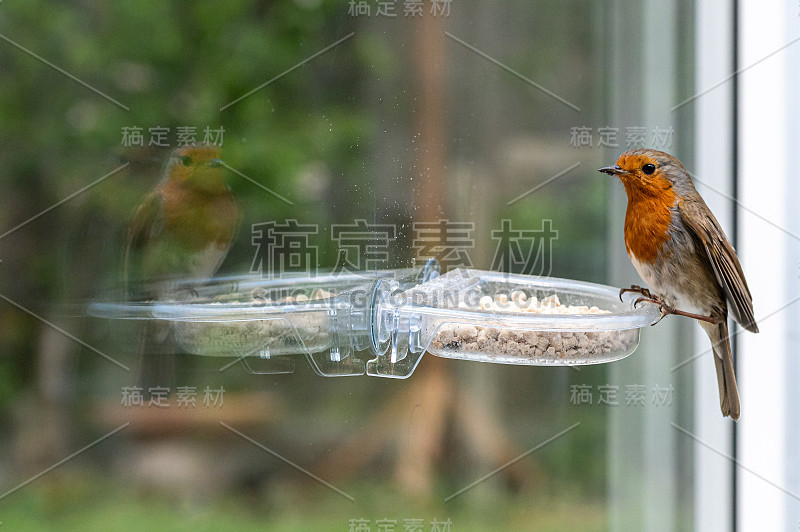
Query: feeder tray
x,y
391,317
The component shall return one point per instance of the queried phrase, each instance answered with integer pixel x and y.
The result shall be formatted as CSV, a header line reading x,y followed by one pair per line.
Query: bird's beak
x,y
612,170
216,163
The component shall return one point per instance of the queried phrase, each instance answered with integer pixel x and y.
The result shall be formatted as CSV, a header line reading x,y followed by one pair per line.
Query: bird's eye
x,y
649,168
187,161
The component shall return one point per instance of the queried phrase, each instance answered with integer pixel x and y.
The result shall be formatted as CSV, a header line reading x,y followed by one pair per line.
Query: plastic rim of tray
x,y
428,318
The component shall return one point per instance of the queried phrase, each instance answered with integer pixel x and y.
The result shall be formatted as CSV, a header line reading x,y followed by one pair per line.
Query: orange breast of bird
x,y
647,221
199,219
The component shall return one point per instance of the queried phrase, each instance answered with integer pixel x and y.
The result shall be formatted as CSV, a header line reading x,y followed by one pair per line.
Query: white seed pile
x,y
510,345
518,301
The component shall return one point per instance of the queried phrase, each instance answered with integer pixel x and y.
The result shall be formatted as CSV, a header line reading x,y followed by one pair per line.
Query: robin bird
x,y
180,233
184,228
682,254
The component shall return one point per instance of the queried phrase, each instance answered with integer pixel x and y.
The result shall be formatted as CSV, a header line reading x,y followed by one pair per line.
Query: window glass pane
x,y
466,131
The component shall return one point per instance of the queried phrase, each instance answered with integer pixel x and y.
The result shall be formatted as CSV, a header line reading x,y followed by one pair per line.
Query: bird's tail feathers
x,y
723,362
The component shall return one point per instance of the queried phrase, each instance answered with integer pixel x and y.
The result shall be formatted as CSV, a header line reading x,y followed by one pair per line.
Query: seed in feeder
x,y
510,344
519,297
551,301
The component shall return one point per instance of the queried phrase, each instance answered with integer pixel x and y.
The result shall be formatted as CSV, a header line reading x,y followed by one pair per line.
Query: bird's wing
x,y
701,222
146,222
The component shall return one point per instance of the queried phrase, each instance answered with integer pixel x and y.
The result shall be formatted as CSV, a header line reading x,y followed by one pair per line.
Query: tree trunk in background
x,y
433,386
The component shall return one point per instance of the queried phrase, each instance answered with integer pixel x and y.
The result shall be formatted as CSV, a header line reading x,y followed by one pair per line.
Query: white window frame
x,y
768,443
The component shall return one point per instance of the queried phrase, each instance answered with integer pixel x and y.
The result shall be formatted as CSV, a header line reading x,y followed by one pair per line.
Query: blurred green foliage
x,y
322,136
172,64
51,507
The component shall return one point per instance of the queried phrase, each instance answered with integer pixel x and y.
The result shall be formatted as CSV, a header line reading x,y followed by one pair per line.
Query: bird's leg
x,y
666,310
636,289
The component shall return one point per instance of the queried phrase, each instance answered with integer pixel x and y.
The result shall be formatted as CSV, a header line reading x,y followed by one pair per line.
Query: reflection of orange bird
x,y
681,252
185,227
181,232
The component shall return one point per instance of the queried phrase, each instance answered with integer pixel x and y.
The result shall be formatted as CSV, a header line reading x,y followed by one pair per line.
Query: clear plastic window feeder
x,y
391,317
